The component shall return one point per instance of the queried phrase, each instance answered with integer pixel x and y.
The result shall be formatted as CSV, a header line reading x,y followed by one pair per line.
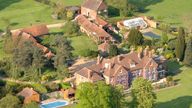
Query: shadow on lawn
x,y
113,11
6,3
180,102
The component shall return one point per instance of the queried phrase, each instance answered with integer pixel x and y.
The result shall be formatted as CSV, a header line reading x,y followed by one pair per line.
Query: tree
x,y
142,93
71,28
38,62
113,50
188,53
180,45
164,37
135,37
63,54
10,101
99,95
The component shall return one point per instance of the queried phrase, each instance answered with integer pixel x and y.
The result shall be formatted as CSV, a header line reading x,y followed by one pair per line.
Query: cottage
x,y
91,8
29,95
122,69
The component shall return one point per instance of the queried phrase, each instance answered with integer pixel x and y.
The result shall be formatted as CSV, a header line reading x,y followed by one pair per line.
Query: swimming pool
x,y
55,104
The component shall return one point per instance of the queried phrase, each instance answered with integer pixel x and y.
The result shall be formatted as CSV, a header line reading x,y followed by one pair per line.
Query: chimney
x,y
98,59
140,52
119,57
132,50
150,54
146,51
89,74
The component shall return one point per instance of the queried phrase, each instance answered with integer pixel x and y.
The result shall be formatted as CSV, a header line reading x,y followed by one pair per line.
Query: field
x,y
176,12
21,13
180,96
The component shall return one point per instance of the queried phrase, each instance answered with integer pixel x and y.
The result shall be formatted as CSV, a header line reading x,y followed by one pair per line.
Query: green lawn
x,y
81,43
22,13
179,96
2,54
172,11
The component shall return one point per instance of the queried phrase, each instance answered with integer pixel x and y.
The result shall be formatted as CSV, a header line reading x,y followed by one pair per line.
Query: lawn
x,y
22,13
179,96
81,43
2,54
172,11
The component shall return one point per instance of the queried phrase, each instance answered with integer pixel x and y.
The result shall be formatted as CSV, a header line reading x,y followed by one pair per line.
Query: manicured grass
x,y
172,11
179,96
71,2
22,13
2,54
81,43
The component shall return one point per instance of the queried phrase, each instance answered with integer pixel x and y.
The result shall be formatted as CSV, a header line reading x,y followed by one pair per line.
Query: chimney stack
x,y
119,57
89,74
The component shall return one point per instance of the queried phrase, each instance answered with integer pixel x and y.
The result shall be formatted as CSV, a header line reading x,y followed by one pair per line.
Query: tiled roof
x,y
23,36
90,74
92,4
27,92
37,30
91,27
100,21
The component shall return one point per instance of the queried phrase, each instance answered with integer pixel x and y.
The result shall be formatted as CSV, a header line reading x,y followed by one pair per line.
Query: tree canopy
x,y
180,45
142,93
135,37
10,101
99,95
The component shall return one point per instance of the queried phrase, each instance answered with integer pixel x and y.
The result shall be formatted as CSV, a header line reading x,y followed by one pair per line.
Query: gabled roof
x,y
91,27
36,30
127,59
90,74
92,4
27,92
100,21
115,69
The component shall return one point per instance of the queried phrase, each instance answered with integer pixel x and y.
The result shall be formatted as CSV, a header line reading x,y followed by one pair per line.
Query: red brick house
x,y
93,30
29,95
91,8
122,69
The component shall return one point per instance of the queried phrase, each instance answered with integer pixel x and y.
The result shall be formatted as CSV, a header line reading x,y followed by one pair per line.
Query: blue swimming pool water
x,y
152,35
55,104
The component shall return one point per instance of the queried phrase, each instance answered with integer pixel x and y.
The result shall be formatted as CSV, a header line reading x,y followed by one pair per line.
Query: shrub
x,y
52,87
39,88
65,85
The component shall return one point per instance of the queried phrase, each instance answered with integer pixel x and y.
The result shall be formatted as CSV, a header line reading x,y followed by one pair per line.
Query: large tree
x,y
63,55
188,53
135,37
99,95
142,93
10,101
180,45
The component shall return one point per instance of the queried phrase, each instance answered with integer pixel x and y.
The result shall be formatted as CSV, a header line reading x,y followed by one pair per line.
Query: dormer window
x,y
132,64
